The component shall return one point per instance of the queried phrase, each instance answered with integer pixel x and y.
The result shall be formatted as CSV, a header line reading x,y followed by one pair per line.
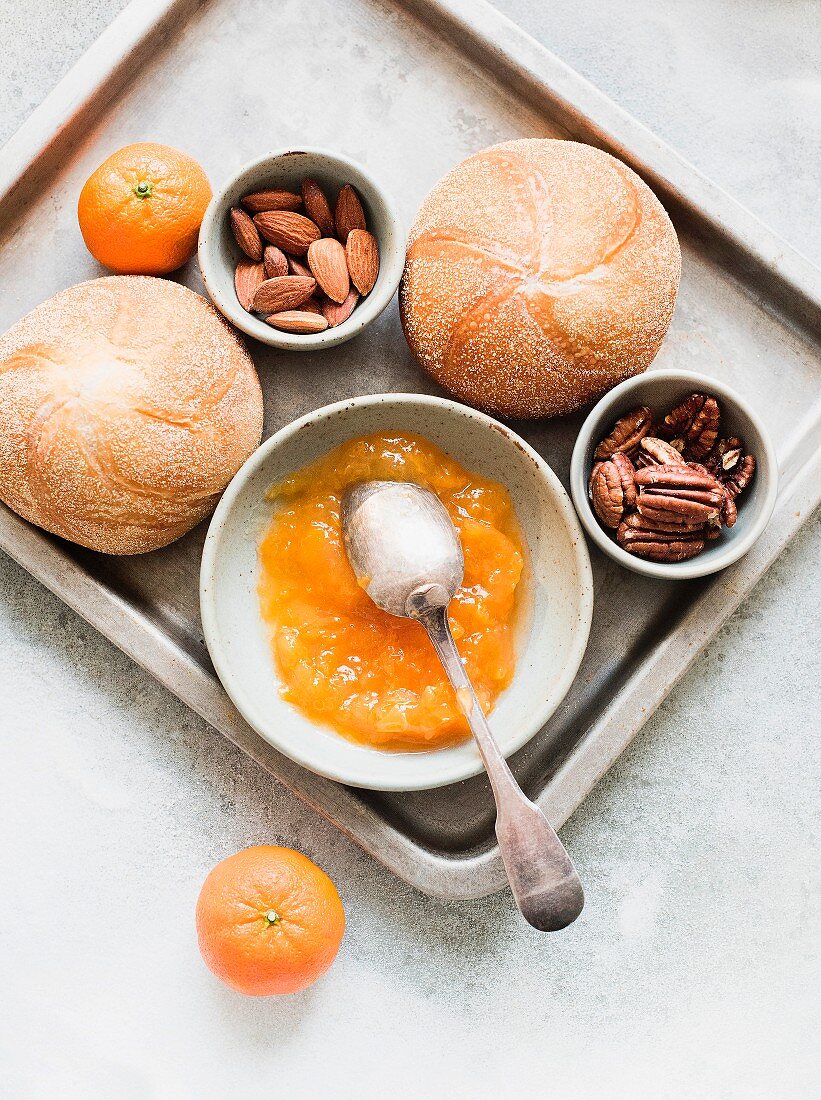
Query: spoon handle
x,y
542,877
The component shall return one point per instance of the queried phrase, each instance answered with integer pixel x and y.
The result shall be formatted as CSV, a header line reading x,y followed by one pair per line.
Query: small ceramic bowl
x,y
661,390
218,252
557,589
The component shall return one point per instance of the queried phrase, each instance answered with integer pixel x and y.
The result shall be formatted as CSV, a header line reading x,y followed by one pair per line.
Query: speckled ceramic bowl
x,y
661,390
218,252
557,598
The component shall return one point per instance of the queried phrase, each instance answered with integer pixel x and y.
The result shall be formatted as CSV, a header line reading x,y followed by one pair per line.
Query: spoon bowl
x,y
398,537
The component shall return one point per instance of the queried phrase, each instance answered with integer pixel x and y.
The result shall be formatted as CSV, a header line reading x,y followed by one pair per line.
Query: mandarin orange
x,y
140,211
269,921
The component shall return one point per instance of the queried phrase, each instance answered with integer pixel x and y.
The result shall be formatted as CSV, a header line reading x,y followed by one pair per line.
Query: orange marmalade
x,y
373,677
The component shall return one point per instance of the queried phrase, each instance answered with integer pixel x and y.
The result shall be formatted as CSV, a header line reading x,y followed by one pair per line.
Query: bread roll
x,y
539,273
126,405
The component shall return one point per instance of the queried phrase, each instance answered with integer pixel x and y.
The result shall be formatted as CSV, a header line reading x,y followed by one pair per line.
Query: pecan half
x,y
742,475
678,494
626,433
676,477
612,489
657,545
670,509
640,523
695,421
724,457
657,452
729,512
627,473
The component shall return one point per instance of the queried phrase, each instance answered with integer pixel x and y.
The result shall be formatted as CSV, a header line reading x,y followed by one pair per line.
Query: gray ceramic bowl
x,y
218,252
557,588
661,390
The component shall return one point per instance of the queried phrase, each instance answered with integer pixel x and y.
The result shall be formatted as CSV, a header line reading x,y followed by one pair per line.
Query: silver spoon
x,y
406,554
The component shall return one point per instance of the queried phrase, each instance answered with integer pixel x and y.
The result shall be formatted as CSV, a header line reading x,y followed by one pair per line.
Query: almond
x,y
349,213
260,201
317,207
334,313
248,277
282,293
298,321
297,267
313,305
362,254
276,262
245,234
288,231
326,259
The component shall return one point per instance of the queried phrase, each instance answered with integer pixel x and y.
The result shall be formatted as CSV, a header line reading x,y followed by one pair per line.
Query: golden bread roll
x,y
126,406
539,273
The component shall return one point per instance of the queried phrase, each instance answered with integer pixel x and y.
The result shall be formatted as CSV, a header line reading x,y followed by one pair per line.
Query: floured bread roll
x,y
126,406
539,274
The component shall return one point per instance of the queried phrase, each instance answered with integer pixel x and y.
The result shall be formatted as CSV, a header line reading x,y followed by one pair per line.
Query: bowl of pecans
x,y
673,475
301,249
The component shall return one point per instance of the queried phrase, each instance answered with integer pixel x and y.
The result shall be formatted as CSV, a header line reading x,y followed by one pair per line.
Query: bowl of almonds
x,y
673,475
301,249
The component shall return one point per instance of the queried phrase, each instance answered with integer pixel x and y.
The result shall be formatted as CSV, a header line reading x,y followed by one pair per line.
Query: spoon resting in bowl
x,y
406,554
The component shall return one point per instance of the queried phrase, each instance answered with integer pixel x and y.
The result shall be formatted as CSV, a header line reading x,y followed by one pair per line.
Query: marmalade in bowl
x,y
345,663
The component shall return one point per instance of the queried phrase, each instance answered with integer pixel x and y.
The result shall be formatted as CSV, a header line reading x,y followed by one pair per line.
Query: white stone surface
x,y
694,970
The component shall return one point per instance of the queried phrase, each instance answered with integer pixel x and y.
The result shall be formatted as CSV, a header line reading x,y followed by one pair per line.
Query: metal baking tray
x,y
409,89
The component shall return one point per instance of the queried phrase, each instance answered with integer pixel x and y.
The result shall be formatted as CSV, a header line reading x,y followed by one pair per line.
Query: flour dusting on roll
x,y
539,274
126,406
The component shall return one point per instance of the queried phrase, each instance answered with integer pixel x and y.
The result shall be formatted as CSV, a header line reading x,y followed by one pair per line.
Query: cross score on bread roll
x,y
539,273
126,406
